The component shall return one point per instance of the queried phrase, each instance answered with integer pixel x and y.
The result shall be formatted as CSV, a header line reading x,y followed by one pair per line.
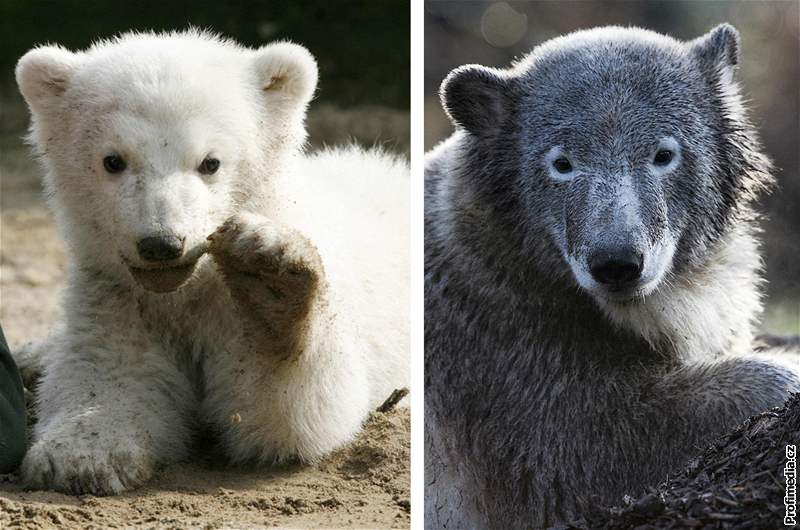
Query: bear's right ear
x,y
43,75
286,72
717,51
475,97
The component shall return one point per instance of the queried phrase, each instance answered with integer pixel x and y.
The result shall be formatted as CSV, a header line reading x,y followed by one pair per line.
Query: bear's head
x,y
627,151
151,141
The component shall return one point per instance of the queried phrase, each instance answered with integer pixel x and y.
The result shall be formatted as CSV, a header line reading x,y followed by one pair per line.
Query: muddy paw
x,y
272,271
79,468
253,245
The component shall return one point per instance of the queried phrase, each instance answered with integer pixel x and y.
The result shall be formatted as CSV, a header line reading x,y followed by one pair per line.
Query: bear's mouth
x,y
622,296
163,279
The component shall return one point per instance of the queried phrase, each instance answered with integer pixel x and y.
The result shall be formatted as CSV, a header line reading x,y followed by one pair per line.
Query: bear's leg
x,y
450,498
719,395
674,417
111,407
292,384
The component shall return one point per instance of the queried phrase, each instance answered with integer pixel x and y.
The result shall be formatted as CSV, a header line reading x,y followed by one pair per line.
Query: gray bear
x,y
592,275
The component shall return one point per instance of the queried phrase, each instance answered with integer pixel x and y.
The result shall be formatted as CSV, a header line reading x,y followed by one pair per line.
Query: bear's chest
x,y
191,323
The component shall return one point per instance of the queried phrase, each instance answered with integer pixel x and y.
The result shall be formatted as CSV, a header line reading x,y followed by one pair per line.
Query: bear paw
x,y
272,271
253,245
71,466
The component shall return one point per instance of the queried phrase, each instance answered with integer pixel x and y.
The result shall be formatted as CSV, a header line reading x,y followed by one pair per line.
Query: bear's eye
x,y
208,166
114,164
562,165
663,157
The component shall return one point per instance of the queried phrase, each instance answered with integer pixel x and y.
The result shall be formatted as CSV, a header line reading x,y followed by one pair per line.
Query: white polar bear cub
x,y
217,275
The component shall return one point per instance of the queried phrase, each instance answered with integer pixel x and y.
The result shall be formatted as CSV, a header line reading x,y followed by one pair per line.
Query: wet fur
x,y
542,399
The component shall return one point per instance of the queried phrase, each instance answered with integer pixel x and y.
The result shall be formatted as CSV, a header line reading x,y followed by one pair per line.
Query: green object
x,y
12,411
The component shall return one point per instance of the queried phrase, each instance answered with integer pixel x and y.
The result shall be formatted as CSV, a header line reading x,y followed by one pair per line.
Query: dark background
x,y
362,47
494,33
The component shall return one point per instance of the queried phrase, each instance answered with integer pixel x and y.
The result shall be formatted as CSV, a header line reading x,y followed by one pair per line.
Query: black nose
x,y
160,248
617,266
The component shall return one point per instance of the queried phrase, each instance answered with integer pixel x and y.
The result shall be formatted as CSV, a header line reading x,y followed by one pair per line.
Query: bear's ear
x,y
475,97
43,75
718,50
286,72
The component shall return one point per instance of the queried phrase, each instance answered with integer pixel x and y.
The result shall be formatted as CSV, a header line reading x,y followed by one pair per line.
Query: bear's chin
x,y
163,280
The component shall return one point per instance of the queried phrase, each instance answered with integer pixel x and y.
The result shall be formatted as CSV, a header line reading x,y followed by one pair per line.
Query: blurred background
x,y
494,33
362,47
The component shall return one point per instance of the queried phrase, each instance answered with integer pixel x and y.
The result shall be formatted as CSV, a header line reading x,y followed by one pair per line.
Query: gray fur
x,y
544,392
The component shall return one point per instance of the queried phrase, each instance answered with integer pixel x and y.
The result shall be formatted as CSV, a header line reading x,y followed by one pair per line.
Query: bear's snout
x,y
161,248
616,267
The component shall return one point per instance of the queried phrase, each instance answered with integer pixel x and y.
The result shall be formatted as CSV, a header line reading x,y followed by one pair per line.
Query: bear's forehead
x,y
161,85
604,92
606,64
612,80
157,70
146,64
621,59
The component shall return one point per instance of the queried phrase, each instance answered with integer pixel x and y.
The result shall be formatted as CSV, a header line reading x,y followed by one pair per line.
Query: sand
x,y
364,485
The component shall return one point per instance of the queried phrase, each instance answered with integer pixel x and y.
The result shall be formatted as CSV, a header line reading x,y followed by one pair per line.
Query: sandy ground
x,y
364,485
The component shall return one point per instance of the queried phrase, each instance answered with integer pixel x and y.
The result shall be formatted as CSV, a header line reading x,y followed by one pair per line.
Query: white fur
x,y
707,313
630,205
132,370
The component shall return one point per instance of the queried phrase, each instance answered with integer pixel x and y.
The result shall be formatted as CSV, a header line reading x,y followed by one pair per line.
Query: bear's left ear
x,y
286,72
717,51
